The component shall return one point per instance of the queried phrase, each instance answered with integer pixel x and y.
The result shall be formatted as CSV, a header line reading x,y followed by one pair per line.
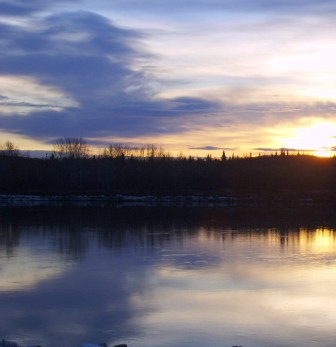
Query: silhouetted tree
x,y
128,170
115,151
9,149
71,148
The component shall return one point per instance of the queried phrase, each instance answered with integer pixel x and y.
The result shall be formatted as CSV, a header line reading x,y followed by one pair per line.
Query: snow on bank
x,y
116,199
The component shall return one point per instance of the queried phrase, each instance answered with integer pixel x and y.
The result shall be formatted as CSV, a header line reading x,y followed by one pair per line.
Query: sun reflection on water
x,y
267,289
174,284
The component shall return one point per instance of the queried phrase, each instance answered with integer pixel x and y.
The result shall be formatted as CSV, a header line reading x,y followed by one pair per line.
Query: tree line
x,y
72,169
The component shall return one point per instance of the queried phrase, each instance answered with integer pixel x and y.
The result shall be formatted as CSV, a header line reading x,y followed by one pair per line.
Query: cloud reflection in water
x,y
151,282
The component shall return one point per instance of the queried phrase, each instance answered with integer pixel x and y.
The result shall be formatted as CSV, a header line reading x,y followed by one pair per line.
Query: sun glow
x,y
318,138
324,240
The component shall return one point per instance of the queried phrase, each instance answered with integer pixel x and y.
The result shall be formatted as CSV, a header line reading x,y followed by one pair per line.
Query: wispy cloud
x,y
215,148
23,7
218,72
279,6
96,71
266,149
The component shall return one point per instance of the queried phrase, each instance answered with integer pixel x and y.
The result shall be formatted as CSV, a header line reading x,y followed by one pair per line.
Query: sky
x,y
192,76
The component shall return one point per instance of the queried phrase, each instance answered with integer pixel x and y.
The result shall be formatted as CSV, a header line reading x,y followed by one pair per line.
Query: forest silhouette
x,y
70,169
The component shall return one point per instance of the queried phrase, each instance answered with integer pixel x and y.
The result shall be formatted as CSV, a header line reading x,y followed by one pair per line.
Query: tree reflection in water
x,y
160,276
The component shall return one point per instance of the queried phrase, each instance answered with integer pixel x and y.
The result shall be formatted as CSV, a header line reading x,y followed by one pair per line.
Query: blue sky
x,y
190,76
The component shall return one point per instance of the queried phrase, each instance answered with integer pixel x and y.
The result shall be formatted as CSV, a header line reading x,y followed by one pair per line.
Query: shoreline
x,y
169,200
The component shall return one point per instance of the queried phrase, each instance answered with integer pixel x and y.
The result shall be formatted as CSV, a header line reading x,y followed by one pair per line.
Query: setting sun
x,y
318,138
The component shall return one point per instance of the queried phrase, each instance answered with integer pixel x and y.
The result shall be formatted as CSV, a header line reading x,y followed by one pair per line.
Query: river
x,y
168,276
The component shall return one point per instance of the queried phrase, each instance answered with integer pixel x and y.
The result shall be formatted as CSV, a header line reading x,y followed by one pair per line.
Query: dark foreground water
x,y
168,277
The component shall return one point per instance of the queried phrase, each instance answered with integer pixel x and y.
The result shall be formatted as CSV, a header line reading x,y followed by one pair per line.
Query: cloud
x,y
24,104
100,57
269,149
23,7
214,148
98,78
190,6
92,62
194,104
18,8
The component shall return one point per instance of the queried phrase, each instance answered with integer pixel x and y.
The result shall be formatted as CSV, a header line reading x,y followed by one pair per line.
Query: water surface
x,y
168,276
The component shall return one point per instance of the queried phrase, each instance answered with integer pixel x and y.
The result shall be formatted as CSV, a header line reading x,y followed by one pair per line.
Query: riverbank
x,y
319,198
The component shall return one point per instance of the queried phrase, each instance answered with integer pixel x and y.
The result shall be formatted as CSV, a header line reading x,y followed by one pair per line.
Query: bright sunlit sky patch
x,y
190,76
